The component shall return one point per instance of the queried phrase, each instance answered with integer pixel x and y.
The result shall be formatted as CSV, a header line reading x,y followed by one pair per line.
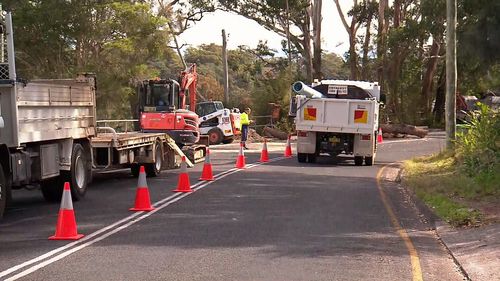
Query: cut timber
x,y
403,129
275,133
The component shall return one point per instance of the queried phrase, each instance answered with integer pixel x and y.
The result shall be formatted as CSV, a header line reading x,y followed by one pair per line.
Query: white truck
x,y
219,123
336,117
48,134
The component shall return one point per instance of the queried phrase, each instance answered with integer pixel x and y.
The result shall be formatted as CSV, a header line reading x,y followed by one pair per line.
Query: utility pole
x,y
451,72
224,62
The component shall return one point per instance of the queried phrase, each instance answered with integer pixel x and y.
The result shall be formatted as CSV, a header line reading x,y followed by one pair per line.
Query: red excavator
x,y
164,107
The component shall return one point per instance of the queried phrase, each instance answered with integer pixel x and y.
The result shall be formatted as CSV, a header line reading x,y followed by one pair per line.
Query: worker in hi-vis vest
x,y
245,122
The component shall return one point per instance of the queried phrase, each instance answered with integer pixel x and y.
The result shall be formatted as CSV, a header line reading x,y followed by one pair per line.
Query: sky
x,y
242,31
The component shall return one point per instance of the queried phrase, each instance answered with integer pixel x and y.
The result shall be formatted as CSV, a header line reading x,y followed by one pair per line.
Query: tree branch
x,y
341,14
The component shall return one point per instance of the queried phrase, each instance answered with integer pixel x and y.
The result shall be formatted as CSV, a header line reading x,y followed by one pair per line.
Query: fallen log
x,y
275,133
403,129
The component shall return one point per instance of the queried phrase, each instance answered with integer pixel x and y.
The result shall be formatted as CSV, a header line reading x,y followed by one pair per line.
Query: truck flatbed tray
x,y
126,140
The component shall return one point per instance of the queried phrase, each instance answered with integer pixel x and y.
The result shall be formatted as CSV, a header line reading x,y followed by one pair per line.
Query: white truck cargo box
x,y
337,115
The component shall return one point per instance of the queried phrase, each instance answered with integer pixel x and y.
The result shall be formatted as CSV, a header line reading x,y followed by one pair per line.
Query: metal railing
x,y
257,124
122,126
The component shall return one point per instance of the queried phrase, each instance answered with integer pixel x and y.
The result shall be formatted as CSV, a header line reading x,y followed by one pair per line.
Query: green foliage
x,y
272,90
468,174
452,212
438,181
478,146
121,41
126,41
334,67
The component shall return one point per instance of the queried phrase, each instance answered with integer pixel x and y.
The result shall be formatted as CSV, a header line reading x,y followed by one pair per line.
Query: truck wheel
x,y
79,175
301,157
215,136
3,192
311,158
369,160
358,160
135,169
52,189
154,169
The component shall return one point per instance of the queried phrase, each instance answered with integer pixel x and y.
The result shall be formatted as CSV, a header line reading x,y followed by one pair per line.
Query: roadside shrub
x,y
478,145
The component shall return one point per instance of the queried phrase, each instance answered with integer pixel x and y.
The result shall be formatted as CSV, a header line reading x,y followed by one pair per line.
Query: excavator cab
x,y
159,96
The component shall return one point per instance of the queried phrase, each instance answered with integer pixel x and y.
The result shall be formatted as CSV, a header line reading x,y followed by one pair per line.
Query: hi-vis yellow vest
x,y
244,119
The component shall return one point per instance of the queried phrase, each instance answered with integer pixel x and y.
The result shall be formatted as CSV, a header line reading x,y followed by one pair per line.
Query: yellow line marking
x,y
415,260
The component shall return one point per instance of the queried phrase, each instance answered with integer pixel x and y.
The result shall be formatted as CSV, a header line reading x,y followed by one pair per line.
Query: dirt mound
x,y
253,136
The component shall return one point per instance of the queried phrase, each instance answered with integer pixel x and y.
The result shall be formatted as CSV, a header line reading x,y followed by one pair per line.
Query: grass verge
x,y
454,196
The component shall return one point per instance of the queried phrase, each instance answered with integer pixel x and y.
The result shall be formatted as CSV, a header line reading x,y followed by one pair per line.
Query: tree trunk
x,y
403,129
275,133
394,100
351,30
429,76
316,19
381,40
306,29
353,57
366,49
440,97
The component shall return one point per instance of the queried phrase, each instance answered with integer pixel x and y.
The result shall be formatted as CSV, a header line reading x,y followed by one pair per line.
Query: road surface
x,y
282,220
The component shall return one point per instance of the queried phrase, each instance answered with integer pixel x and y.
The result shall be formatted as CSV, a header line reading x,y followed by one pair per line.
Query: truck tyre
x,y
154,169
369,160
52,189
134,170
358,160
301,157
79,175
3,192
215,136
311,158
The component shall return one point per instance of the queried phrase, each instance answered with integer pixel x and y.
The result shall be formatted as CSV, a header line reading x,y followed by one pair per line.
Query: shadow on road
x,y
283,213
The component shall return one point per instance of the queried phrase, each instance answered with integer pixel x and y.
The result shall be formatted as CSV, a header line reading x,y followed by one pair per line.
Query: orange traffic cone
x,y
183,185
380,138
66,223
142,200
240,160
288,149
206,174
264,155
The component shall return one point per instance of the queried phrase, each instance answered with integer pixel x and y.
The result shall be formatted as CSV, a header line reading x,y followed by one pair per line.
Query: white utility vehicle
x,y
219,123
336,117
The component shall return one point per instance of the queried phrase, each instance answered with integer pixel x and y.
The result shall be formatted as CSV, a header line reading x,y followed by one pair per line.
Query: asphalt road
x,y
276,221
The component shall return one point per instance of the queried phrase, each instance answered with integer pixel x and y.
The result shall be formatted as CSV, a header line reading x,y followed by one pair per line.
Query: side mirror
x,y
383,98
292,110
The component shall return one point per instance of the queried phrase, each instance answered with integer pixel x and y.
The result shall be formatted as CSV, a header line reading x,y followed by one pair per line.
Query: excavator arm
x,y
188,80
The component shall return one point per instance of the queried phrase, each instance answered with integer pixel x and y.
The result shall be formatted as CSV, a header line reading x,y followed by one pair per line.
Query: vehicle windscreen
x,y
159,97
203,109
219,106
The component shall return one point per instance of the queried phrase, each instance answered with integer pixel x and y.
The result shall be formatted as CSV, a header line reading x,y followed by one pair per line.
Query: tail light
x,y
302,133
366,137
